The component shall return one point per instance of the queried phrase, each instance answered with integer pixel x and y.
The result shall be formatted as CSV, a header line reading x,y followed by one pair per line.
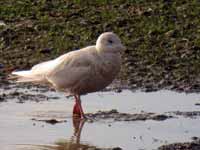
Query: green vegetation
x,y
162,36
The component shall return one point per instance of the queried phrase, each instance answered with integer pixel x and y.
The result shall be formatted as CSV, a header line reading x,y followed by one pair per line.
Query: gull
x,y
79,72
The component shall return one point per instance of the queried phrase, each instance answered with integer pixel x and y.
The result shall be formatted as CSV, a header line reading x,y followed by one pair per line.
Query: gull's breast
x,y
99,77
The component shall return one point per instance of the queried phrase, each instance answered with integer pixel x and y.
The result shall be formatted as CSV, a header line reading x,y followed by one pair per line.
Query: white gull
x,y
87,70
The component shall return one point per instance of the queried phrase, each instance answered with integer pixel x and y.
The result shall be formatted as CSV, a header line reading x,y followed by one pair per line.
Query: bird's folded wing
x,y
71,68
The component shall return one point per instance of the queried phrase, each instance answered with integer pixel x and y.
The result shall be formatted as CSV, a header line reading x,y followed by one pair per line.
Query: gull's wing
x,y
58,70
73,68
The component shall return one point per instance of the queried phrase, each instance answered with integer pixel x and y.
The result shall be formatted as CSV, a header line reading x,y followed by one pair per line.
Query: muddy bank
x,y
117,116
22,97
189,114
162,41
194,145
112,115
22,92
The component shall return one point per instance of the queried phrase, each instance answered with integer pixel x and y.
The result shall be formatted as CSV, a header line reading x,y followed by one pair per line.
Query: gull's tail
x,y
36,74
25,76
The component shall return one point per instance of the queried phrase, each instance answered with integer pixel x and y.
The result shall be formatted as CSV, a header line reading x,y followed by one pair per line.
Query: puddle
x,y
19,128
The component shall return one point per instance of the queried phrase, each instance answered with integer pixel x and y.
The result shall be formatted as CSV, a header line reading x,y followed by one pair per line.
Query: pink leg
x,y
78,110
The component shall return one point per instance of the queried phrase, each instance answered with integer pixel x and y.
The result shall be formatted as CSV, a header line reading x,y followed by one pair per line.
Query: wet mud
x,y
50,121
112,115
21,92
194,145
117,116
189,114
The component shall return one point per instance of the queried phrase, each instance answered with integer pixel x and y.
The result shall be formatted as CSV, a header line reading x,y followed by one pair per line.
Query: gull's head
x,y
109,42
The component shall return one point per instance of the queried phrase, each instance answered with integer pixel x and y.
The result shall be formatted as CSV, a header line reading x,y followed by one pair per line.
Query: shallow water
x,y
18,131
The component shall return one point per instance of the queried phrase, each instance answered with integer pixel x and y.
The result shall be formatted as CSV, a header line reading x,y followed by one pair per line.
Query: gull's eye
x,y
110,41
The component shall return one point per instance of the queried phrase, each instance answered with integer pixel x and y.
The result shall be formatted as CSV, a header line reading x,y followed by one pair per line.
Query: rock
x,y
117,148
2,98
194,138
161,117
50,121
2,23
46,50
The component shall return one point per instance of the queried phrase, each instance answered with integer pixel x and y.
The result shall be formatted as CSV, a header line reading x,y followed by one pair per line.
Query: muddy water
x,y
22,125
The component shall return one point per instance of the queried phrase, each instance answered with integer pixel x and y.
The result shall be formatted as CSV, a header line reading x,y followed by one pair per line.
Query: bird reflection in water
x,y
64,144
78,126
75,142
